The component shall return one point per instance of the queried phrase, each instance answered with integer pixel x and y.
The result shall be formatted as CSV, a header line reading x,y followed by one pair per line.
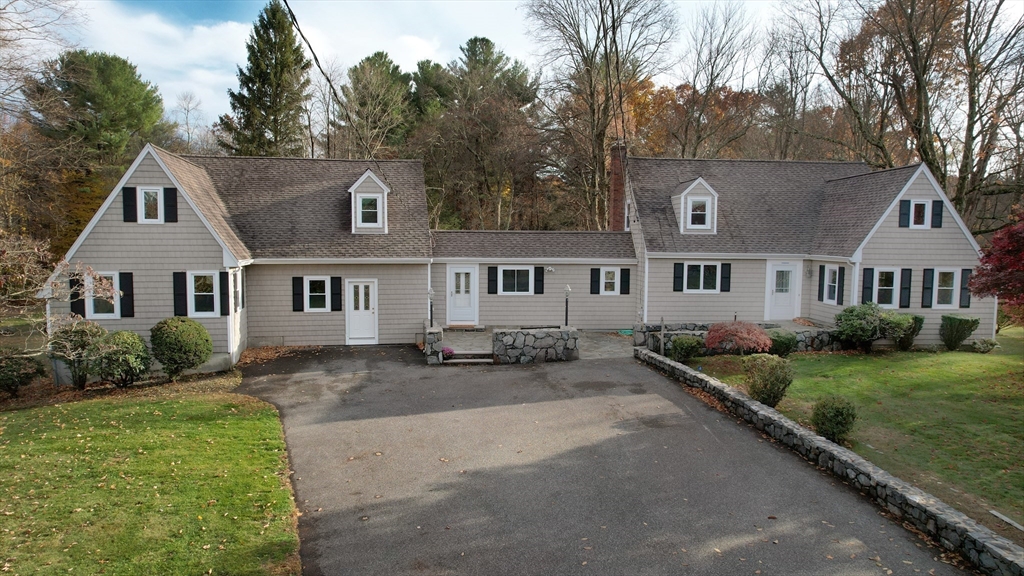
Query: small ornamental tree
x,y
1001,272
737,337
71,342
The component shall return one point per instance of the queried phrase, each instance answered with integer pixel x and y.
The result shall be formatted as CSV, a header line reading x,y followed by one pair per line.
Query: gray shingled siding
x,y
945,247
151,252
401,294
745,300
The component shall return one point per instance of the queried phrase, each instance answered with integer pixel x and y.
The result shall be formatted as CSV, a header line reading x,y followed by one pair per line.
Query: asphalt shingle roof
x,y
301,208
764,207
532,244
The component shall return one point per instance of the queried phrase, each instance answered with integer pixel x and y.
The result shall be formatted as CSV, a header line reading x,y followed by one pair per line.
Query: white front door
x,y
360,312
783,285
462,295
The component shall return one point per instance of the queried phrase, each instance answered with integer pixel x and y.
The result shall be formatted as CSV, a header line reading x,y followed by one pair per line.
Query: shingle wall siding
x,y
401,304
152,252
745,299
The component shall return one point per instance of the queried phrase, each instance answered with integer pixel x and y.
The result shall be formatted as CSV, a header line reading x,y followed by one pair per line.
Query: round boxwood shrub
x,y
768,378
859,325
783,342
121,357
180,344
833,417
685,347
71,342
955,329
17,370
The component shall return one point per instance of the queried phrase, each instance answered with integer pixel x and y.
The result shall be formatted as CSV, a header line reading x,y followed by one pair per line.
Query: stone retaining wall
x,y
539,345
986,550
807,340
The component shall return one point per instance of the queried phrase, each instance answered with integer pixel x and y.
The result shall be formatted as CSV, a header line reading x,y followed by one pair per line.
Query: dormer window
x,y
369,205
369,210
696,207
697,211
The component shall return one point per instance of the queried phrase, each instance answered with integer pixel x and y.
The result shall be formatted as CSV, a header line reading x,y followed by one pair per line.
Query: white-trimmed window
x,y
370,208
101,308
318,296
698,212
702,277
515,280
947,282
151,205
831,284
920,214
609,280
203,289
887,287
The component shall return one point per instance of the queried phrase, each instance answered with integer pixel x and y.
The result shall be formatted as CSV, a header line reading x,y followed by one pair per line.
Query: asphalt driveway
x,y
589,467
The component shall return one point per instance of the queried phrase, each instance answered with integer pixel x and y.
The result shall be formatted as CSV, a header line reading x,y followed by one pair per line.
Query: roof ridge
x,y
353,160
177,156
540,231
753,160
874,172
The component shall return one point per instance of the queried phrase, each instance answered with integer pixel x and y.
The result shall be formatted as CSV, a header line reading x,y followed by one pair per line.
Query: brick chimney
x,y
617,188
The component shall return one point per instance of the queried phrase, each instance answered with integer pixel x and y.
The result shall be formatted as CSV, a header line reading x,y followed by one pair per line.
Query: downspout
x,y
647,275
230,318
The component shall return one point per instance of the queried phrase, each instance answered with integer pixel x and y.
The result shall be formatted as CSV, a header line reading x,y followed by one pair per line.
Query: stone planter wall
x,y
807,340
986,550
543,345
433,341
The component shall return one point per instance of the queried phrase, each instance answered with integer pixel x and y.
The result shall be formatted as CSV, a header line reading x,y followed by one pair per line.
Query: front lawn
x,y
949,422
182,478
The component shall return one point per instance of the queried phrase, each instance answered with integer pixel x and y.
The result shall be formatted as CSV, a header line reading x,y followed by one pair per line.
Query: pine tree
x,y
266,117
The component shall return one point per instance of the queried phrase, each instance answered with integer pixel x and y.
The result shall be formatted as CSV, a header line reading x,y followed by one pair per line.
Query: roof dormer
x,y
369,205
696,208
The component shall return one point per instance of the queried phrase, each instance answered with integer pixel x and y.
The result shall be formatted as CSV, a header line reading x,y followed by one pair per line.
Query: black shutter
x,y
624,281
904,213
492,279
170,204
225,293
965,292
595,280
243,288
129,200
297,294
77,300
926,288
726,283
677,277
937,213
905,276
336,299
867,292
821,283
538,279
126,281
841,285
180,294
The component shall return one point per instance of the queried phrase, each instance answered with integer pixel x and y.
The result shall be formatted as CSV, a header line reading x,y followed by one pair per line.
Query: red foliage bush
x,y
737,337
1001,272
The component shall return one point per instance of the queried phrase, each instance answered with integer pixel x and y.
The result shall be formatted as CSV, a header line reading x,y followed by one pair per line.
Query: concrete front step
x,y
468,353
458,360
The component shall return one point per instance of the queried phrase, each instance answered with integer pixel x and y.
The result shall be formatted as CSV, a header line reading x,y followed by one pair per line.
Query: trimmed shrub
x,y
685,347
737,338
71,342
121,357
984,346
17,370
900,328
859,325
783,342
180,344
833,417
768,377
956,329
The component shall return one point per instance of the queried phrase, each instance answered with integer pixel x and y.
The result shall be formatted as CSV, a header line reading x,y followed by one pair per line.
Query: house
x,y
292,251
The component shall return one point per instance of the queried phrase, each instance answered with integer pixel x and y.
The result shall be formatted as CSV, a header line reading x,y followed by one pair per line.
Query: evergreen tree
x,y
267,109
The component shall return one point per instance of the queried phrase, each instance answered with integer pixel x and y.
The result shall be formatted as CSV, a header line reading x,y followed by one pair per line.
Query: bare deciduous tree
x,y
29,32
189,115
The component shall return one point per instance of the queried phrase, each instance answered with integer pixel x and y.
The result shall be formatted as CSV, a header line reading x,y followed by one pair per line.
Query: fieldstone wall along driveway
x,y
599,467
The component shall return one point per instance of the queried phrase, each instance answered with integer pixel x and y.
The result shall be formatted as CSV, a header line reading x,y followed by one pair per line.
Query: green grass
x,y
950,422
174,479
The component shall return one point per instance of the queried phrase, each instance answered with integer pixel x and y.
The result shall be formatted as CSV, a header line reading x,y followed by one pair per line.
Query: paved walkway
x,y
592,344
599,467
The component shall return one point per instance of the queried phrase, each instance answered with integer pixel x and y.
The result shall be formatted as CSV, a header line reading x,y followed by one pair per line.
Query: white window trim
x,y
192,294
708,204
895,288
718,277
327,293
140,203
360,196
90,314
955,303
615,291
927,214
828,274
501,285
